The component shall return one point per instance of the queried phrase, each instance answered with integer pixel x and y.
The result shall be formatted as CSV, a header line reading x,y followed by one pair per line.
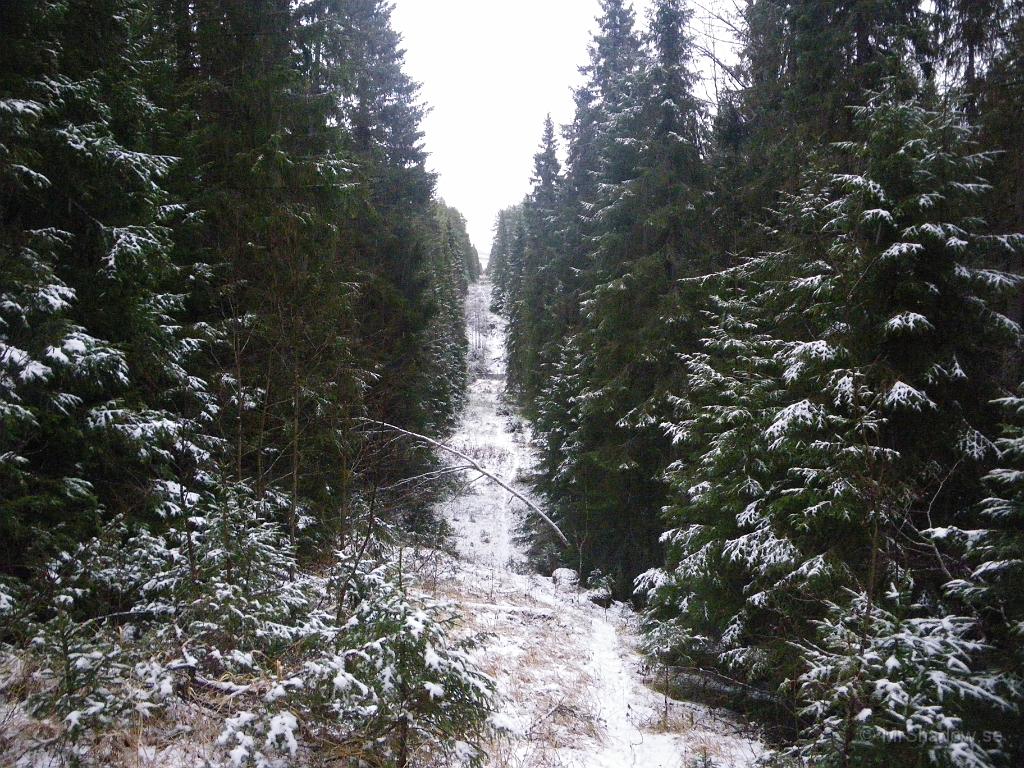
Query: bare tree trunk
x,y
240,394
346,496
183,39
293,507
261,483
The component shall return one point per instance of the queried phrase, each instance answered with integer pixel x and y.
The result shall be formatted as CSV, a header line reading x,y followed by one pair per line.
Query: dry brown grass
x,y
540,679
536,652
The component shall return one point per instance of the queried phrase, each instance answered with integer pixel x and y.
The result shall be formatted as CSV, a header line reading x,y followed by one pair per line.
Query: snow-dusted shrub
x,y
217,615
86,674
888,680
599,588
391,684
9,597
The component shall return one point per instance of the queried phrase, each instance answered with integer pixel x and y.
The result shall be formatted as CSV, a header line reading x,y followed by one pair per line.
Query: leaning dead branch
x,y
476,466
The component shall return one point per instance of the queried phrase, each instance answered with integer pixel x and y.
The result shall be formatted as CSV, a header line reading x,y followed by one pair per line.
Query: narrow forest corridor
x,y
570,680
357,357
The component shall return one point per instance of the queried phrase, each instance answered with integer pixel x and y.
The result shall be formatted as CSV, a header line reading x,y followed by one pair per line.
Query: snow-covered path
x,y
572,684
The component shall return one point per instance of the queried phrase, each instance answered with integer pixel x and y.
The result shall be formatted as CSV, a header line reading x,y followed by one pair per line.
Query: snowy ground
x,y
572,684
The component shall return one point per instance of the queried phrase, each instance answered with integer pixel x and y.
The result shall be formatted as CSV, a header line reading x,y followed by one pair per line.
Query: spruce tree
x,y
644,219
884,320
529,338
98,402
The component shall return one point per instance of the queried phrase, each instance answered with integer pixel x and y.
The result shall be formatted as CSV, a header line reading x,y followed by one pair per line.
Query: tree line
x,y
221,261
770,349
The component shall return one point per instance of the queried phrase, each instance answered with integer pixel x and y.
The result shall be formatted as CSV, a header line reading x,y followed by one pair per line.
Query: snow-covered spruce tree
x,y
516,309
389,227
892,324
887,681
565,239
445,334
884,328
281,288
497,263
564,217
995,552
505,264
708,606
557,422
648,233
94,385
533,336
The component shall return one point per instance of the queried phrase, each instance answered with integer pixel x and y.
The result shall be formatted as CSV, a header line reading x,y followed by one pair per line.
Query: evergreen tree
x,y
873,432
447,344
643,216
219,253
98,405
614,54
498,264
990,581
529,338
803,64
709,605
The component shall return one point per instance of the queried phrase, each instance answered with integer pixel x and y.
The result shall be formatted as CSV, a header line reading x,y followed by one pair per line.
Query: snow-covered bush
x,y
417,689
599,588
888,679
217,614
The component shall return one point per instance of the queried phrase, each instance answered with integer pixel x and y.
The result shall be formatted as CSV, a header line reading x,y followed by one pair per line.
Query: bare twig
x,y
478,467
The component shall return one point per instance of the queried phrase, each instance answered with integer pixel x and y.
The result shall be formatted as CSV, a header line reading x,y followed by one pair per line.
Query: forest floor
x,y
574,690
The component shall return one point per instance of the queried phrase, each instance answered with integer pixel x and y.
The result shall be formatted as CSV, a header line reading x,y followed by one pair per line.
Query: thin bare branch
x,y
478,467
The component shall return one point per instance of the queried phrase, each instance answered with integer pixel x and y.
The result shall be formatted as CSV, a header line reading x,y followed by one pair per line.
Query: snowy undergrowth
x,y
212,647
209,645
573,688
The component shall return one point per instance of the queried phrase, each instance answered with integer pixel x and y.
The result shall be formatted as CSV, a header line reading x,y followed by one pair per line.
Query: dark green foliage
x,y
97,405
780,334
602,247
453,262
220,250
827,454
220,255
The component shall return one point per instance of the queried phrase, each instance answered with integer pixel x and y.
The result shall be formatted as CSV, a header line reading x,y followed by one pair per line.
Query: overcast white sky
x,y
490,72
